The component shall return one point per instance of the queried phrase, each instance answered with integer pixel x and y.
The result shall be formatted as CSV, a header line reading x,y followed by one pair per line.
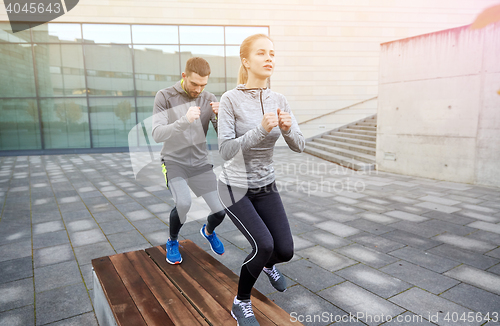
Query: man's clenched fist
x,y
215,107
193,113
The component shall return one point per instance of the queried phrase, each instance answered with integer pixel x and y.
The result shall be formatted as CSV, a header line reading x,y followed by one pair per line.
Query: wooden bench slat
x,y
212,310
146,290
181,312
124,309
219,270
206,271
220,291
145,301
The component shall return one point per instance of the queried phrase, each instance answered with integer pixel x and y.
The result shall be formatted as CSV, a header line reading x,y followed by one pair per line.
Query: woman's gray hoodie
x,y
244,143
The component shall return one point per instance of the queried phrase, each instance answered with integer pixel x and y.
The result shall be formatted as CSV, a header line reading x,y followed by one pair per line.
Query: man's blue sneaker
x,y
214,241
173,254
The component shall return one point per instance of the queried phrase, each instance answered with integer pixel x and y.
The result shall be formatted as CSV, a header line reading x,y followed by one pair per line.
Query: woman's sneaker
x,y
173,255
278,281
214,241
243,313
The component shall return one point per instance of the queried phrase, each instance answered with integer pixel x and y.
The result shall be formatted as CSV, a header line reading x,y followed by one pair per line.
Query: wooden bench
x,y
141,288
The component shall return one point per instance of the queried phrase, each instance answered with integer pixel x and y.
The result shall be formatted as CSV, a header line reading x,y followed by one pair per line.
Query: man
x,y
181,116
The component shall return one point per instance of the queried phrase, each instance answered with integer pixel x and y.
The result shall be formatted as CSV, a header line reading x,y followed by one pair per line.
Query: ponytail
x,y
242,75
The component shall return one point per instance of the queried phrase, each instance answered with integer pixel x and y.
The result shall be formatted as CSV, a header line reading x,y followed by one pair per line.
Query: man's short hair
x,y
197,65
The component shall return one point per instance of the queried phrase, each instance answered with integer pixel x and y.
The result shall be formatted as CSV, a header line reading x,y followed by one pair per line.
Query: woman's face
x,y
260,62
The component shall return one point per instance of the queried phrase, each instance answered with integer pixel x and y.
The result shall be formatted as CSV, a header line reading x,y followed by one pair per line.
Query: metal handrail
x,y
347,107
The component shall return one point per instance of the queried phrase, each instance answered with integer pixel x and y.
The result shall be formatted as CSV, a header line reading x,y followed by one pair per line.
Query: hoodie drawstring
x,y
261,104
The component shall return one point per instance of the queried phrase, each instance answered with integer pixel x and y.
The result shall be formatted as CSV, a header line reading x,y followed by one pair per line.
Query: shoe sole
x,y
237,324
204,237
173,263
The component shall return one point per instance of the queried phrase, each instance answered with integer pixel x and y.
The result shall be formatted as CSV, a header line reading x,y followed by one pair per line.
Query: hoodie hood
x,y
254,92
178,88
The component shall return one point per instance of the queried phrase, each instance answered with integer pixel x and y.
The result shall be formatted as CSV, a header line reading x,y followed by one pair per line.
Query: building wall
x,y
439,106
328,50
327,59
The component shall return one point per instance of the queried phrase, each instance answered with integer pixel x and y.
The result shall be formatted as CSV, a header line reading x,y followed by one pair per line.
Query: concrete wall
x,y
439,110
327,50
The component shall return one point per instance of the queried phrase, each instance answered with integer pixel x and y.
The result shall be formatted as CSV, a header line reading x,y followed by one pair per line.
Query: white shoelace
x,y
273,273
247,309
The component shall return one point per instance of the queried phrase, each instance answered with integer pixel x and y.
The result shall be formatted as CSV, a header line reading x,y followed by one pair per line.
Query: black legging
x,y
260,216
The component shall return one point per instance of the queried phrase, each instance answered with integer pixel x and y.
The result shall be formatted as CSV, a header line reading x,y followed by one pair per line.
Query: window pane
x,y
19,125
65,123
111,120
57,33
145,108
201,34
7,36
109,70
156,67
236,35
60,70
145,114
233,63
106,33
215,57
16,69
151,34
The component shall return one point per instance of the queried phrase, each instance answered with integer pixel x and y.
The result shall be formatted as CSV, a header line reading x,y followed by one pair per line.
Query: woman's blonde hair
x,y
245,48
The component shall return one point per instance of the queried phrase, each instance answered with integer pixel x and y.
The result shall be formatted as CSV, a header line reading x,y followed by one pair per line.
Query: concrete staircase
x,y
352,146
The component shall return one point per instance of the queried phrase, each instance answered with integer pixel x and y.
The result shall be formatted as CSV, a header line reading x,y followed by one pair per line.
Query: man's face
x,y
194,83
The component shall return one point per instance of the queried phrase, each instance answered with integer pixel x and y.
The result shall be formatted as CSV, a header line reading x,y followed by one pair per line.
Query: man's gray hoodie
x,y
244,143
184,143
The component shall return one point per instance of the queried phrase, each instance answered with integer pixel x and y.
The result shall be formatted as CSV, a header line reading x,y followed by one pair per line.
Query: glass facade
x,y
65,123
85,86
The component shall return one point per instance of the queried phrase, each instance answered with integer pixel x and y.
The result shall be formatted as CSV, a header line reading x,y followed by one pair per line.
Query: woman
x,y
251,119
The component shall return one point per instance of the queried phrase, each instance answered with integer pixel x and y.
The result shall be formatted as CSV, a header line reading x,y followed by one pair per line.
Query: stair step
x,y
349,140
344,161
353,146
358,127
353,136
346,145
360,132
367,124
349,154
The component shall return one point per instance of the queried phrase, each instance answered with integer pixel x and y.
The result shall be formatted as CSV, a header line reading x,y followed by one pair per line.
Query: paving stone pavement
x,y
387,248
